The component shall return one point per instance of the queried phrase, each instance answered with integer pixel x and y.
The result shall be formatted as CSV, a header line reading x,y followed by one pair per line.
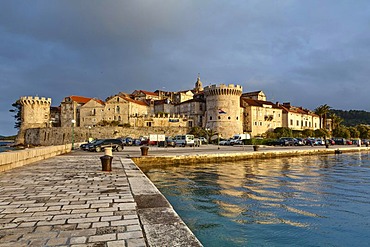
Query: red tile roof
x,y
139,102
80,99
84,100
259,103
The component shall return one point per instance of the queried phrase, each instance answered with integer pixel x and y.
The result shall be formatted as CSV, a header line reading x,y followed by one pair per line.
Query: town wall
x,y
223,109
63,135
35,114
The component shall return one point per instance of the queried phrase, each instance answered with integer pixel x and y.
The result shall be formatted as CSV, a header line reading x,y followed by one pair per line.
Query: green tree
x,y
283,132
354,132
321,133
17,114
342,131
335,120
197,131
308,133
322,111
364,131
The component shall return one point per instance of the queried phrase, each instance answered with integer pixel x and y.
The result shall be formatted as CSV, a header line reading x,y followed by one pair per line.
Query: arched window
x,y
117,109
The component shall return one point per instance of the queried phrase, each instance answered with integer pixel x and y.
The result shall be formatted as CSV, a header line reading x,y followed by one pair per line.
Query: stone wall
x,y
10,160
63,135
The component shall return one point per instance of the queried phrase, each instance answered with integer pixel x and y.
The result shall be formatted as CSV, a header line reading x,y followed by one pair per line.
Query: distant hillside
x,y
7,137
353,117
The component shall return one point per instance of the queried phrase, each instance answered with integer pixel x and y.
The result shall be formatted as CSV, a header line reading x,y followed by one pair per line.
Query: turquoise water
x,y
302,201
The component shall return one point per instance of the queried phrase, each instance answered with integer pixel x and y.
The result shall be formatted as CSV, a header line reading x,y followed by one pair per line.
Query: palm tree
x,y
335,120
322,111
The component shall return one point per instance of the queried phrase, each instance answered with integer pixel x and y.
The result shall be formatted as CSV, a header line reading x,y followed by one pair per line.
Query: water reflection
x,y
272,202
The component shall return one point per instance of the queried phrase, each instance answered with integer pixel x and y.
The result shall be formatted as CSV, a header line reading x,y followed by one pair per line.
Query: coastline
x,y
224,154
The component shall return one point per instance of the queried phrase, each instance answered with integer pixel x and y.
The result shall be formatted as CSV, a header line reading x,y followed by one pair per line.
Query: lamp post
x,y
73,133
89,128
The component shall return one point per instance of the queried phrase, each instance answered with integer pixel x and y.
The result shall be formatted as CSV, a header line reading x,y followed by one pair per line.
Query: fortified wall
x,y
63,135
35,114
223,109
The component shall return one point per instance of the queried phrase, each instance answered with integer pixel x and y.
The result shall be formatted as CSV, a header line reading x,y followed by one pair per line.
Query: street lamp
x,y
73,133
89,133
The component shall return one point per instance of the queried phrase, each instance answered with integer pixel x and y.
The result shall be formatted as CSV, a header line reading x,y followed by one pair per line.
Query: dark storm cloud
x,y
306,52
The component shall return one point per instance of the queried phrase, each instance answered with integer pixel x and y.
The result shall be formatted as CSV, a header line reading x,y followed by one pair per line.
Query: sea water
x,y
300,201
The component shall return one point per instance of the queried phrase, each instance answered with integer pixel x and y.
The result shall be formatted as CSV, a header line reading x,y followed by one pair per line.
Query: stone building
x,y
223,112
91,113
260,116
256,95
70,110
298,118
123,109
224,109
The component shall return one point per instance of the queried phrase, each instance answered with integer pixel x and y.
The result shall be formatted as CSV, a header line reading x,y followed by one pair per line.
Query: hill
x,y
353,117
7,137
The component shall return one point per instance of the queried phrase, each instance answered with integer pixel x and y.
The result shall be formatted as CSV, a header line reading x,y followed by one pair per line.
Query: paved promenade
x,y
68,201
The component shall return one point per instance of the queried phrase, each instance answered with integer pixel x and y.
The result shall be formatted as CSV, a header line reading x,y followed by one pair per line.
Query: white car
x,y
224,142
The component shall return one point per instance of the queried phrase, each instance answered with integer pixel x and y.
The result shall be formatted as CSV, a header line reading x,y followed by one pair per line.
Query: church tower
x,y
198,85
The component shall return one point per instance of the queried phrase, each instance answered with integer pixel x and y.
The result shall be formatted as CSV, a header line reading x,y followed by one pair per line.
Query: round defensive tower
x,y
223,109
35,114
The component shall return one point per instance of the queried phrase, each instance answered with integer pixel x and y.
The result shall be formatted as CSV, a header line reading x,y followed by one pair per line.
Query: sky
x,y
308,53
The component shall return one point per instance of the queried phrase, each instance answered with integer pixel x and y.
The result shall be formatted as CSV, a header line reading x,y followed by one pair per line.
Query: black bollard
x,y
106,162
144,150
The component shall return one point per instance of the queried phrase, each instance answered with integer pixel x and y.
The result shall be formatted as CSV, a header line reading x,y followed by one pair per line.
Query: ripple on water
x,y
274,202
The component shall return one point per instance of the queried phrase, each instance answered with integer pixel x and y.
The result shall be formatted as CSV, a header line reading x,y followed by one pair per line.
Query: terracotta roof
x,y
294,109
139,102
259,103
84,100
145,92
99,101
252,93
80,99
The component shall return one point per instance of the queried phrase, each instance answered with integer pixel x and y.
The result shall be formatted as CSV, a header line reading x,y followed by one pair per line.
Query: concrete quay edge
x,y
161,225
237,156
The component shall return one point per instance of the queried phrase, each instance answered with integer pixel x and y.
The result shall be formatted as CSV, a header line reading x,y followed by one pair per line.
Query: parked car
x,y
330,141
299,142
286,141
116,144
340,141
224,142
128,141
170,142
85,146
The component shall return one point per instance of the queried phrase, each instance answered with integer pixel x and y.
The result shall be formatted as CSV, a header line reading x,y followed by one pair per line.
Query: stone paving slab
x,y
68,201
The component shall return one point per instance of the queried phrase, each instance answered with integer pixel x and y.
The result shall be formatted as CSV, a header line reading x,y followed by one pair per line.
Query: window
x,y
297,122
291,121
117,109
229,117
237,118
148,124
255,123
219,117
210,118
